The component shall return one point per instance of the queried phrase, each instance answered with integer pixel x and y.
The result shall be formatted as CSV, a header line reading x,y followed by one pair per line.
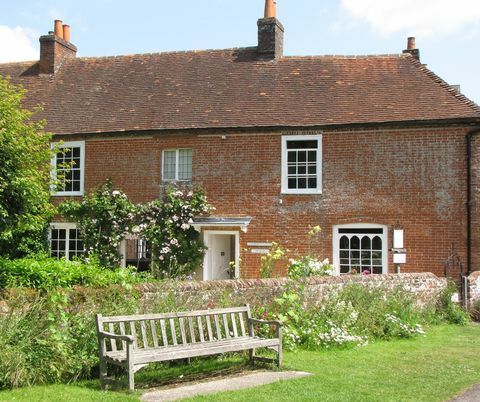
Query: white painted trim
x,y
284,168
199,226
69,144
177,160
336,238
207,234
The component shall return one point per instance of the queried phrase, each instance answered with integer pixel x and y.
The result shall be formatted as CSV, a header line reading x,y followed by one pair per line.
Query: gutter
x,y
469,138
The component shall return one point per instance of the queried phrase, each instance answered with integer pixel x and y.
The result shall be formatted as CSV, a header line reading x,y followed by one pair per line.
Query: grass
x,y
432,368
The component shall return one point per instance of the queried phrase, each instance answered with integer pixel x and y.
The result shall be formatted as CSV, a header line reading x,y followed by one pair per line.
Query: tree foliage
x,y
25,154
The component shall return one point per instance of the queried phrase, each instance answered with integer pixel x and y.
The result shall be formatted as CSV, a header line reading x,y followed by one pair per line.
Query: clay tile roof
x,y
232,88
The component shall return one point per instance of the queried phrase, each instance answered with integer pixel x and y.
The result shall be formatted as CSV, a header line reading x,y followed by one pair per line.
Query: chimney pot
x,y
411,43
270,9
66,32
58,28
412,48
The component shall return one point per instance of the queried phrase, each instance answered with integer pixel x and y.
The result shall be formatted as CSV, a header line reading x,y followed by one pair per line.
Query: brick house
x,y
356,144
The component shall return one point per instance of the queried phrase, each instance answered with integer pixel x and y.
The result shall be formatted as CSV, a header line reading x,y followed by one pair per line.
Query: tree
x,y
25,155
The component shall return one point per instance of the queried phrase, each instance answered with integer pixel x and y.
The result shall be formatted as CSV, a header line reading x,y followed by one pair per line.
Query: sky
x,y
447,32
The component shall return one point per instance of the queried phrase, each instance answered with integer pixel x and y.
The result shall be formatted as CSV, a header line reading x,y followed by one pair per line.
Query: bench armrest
x,y
126,338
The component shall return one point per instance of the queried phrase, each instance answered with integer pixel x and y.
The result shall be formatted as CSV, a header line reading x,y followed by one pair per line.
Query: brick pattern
x,y
415,177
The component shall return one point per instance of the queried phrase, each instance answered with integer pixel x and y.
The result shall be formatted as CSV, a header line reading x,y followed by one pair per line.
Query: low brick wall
x,y
261,292
473,288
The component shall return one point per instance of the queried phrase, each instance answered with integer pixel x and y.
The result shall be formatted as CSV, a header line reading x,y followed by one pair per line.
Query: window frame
x,y
67,227
284,170
177,162
336,243
69,144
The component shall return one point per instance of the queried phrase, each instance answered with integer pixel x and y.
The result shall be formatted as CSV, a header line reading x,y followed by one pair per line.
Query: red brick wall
x,y
414,176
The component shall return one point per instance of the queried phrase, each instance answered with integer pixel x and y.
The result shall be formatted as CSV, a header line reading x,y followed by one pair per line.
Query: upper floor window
x,y
302,164
65,241
68,166
177,165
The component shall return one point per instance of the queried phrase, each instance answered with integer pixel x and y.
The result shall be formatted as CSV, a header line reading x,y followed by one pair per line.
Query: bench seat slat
x,y
200,349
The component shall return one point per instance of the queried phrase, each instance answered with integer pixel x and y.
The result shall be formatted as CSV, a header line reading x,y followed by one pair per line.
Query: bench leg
x,y
130,368
279,355
251,354
103,373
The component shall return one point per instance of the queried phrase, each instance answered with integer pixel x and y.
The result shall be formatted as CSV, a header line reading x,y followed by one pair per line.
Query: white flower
x,y
174,242
115,193
185,226
175,218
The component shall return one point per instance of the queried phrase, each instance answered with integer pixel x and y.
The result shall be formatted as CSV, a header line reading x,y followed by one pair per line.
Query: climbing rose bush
x,y
167,226
104,218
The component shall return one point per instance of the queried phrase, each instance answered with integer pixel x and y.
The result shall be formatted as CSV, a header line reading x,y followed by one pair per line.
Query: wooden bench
x,y
135,341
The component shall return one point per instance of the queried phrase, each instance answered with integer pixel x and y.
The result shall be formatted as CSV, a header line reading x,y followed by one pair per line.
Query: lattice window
x,y
68,167
301,164
65,241
177,165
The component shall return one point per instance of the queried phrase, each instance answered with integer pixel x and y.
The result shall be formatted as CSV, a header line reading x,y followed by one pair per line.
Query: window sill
x,y
302,192
68,194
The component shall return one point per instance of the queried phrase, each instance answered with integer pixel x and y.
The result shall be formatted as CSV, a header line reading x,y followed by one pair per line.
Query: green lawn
x,y
432,368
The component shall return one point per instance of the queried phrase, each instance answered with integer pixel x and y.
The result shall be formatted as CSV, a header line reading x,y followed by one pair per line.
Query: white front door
x,y
222,252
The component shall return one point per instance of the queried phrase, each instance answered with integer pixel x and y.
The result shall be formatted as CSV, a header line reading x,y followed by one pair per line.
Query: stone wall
x,y
261,292
473,288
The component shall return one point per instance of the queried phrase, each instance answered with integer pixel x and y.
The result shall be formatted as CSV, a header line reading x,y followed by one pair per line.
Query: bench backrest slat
x,y
200,329
173,331
133,332
180,328
234,325
242,323
164,332
209,328
225,326
113,343
143,329
139,317
191,330
153,331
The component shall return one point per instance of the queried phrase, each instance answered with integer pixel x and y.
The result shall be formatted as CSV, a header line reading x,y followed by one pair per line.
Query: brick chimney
x,y
270,33
55,48
411,48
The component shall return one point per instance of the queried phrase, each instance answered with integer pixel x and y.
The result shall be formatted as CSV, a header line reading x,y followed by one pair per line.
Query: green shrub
x,y
350,316
449,310
44,272
47,337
